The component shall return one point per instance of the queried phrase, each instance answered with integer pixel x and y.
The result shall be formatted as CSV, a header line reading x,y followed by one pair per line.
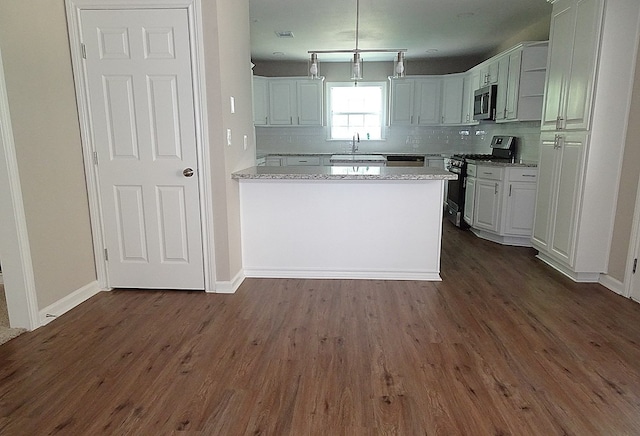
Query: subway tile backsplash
x,y
403,139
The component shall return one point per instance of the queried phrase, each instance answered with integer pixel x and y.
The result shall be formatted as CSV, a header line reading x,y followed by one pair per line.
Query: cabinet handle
x,y
298,120
291,120
266,120
411,119
510,186
496,189
528,175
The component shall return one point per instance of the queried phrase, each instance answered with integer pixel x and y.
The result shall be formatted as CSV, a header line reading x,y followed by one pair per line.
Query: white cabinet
x,y
415,101
558,197
489,72
469,194
309,102
283,101
500,203
471,83
303,160
573,53
452,99
428,101
486,214
260,101
521,84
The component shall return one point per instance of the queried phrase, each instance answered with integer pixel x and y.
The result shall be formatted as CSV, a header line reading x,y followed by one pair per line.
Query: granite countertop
x,y
261,154
344,173
502,163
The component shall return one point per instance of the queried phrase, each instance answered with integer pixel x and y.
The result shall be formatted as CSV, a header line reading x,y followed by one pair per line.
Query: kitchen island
x,y
342,222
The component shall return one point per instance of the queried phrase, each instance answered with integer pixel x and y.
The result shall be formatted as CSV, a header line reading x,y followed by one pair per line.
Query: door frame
x,y
634,249
17,271
196,39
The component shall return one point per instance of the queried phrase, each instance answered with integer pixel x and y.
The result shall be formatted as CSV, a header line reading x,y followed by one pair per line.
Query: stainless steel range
x,y
503,149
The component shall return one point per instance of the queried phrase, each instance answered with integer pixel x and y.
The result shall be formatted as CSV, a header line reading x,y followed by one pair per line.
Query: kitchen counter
x,y
342,222
344,173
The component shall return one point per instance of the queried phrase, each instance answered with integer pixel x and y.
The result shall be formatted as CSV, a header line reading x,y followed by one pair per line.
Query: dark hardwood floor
x,y
503,345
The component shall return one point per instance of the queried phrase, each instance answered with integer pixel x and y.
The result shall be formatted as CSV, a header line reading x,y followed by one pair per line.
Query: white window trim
x,y
383,115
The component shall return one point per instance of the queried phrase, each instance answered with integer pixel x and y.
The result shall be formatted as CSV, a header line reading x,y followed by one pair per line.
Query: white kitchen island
x,y
342,222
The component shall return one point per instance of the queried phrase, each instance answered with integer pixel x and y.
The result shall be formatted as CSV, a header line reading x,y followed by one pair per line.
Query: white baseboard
x,y
230,287
612,284
1,279
342,274
67,303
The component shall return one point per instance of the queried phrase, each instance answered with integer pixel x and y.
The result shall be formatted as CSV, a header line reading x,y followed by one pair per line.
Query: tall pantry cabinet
x,y
588,85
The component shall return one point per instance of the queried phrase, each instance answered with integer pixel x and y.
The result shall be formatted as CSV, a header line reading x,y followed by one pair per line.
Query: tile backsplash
x,y
404,139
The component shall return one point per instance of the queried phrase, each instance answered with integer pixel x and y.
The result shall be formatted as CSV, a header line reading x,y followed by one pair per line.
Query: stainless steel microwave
x,y
484,103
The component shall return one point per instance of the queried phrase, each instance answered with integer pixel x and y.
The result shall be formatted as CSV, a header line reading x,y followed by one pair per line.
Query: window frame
x,y
383,110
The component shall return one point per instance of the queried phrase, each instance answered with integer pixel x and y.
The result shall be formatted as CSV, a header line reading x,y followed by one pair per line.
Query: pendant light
x,y
355,64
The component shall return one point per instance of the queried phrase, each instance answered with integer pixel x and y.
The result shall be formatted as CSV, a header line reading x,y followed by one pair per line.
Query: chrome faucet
x,y
354,147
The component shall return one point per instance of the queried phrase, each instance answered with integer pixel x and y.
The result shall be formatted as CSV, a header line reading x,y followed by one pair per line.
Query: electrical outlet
x,y
229,137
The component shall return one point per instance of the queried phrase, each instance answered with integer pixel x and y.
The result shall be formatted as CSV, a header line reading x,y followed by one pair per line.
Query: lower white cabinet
x,y
500,203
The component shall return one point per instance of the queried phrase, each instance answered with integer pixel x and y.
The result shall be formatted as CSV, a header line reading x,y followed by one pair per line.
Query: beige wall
x,y
372,71
628,187
33,37
536,32
228,70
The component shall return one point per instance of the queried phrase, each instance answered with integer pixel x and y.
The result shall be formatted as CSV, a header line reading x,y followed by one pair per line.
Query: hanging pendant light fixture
x,y
355,64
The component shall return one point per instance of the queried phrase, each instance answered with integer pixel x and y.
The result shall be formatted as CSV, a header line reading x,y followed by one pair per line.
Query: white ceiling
x,y
452,27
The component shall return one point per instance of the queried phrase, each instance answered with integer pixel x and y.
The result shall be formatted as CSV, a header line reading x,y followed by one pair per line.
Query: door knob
x,y
187,172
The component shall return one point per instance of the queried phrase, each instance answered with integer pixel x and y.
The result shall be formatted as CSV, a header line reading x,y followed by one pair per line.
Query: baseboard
x,y
67,303
343,274
579,277
515,241
230,287
612,284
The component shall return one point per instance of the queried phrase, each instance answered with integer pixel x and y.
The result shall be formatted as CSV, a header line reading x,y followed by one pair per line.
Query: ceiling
x,y
426,28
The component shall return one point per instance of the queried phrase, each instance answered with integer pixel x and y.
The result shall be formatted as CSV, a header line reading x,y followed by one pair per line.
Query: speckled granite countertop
x,y
261,154
344,173
498,163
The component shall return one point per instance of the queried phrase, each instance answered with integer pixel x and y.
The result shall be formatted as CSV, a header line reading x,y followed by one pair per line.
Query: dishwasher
x,y
405,160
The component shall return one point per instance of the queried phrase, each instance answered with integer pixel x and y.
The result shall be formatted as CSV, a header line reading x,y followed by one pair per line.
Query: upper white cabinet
x,y
415,101
521,82
471,83
573,50
285,101
452,99
489,72
260,101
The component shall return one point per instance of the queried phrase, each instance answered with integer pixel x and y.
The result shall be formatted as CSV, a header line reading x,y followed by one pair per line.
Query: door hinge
x,y
95,158
106,254
84,50
635,265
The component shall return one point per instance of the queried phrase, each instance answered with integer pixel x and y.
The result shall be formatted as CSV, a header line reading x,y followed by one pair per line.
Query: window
x,y
356,110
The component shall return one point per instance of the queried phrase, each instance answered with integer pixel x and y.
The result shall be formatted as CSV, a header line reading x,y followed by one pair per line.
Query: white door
x,y
138,70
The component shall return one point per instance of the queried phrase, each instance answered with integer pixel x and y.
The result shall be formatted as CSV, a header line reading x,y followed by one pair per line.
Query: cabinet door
x,y
452,91
583,65
487,204
471,83
401,110
428,96
513,86
560,48
260,101
309,94
282,102
469,200
521,200
501,97
545,194
568,187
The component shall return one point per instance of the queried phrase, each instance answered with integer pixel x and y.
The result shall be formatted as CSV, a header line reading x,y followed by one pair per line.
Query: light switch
x,y
233,104
229,137
245,141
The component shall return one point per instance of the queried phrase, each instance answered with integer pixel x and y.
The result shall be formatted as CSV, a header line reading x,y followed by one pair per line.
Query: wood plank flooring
x,y
502,346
